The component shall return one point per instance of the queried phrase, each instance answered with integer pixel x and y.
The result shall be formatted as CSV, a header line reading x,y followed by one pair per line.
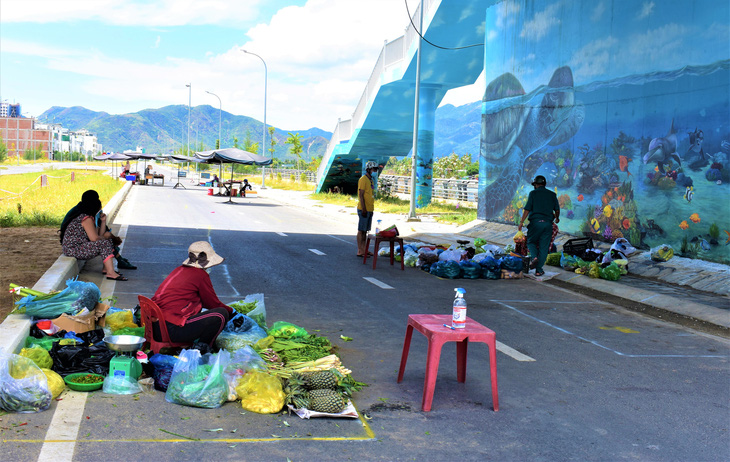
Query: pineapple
x,y
319,380
324,400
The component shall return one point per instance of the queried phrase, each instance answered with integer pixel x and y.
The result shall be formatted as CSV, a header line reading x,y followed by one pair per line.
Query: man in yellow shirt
x,y
365,206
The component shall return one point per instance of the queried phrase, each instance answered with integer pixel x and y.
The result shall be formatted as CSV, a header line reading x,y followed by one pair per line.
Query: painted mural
x,y
628,120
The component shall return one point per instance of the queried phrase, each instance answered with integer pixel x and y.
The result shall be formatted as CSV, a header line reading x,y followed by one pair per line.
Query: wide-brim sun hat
x,y
201,255
539,179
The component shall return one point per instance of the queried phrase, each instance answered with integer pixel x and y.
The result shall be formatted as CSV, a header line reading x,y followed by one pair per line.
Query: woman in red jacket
x,y
185,292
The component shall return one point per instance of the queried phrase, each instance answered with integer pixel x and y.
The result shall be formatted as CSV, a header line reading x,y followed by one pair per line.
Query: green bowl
x,y
83,386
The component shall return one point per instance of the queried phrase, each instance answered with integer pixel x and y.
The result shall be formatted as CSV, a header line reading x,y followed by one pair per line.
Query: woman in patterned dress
x,y
82,239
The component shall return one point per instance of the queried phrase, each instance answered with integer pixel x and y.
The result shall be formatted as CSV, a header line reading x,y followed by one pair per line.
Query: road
x,y
579,379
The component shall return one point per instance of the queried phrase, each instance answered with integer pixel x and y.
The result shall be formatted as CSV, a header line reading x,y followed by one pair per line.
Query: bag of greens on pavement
x,y
240,362
75,297
239,332
23,386
612,272
253,307
285,329
198,381
55,383
663,252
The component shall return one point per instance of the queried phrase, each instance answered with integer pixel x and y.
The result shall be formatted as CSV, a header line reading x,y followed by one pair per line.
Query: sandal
x,y
537,273
118,278
370,254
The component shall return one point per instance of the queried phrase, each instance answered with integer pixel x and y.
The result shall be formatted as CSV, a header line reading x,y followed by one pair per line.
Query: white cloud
x,y
541,23
130,12
660,48
157,42
646,9
593,59
598,12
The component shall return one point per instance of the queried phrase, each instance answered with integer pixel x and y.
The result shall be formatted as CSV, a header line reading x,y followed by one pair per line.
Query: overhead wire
x,y
431,43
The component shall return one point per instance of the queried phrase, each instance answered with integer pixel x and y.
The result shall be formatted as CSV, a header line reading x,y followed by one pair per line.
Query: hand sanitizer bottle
x,y
459,313
377,228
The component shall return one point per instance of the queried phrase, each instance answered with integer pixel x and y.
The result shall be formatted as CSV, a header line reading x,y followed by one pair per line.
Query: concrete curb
x,y
15,328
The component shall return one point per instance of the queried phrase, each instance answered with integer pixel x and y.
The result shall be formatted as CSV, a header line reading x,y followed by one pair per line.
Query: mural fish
x,y
663,150
728,237
705,245
695,218
510,136
608,211
580,197
689,193
595,225
684,224
626,223
623,164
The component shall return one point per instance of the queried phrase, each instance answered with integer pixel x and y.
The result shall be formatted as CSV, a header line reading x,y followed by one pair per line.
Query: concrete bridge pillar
x,y
424,157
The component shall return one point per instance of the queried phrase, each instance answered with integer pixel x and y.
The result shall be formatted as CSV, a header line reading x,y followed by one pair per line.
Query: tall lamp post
x,y
190,93
263,146
220,118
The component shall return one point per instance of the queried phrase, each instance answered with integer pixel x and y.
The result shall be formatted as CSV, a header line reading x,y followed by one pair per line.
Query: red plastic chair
x,y
150,313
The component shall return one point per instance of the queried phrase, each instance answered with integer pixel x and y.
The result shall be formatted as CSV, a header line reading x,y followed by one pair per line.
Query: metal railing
x,y
447,189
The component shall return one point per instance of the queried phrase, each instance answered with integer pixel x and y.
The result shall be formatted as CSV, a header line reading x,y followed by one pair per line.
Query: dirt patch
x,y
25,254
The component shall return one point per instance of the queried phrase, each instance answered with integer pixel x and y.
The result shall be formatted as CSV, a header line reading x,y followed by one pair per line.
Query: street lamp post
x,y
190,93
263,145
220,118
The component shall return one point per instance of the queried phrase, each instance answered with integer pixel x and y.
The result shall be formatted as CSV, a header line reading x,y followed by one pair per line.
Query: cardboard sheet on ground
x,y
349,412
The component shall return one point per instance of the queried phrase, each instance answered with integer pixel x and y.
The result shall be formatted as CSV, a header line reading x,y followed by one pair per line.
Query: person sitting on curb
x,y
183,295
85,236
122,263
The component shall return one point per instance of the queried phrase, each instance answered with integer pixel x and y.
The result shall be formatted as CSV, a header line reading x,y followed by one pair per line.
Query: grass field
x,y
23,202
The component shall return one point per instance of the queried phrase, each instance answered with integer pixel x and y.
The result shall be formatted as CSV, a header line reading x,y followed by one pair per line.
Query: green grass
x,y
24,203
442,212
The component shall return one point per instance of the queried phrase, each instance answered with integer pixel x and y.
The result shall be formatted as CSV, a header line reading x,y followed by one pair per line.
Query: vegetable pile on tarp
x,y
74,299
23,386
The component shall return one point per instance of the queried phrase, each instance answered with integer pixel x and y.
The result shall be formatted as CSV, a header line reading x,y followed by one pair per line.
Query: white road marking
x,y
317,252
281,234
227,274
512,353
343,240
380,284
60,441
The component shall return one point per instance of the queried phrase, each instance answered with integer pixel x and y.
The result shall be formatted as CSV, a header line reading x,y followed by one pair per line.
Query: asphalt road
x,y
579,379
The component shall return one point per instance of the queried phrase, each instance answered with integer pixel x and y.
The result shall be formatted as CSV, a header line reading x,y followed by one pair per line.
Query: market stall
x,y
231,156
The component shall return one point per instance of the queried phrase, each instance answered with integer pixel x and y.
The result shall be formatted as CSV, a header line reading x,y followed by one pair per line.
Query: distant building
x,y
9,110
20,135
64,140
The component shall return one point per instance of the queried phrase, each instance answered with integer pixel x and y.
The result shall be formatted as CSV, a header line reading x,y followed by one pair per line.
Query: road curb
x,y
15,328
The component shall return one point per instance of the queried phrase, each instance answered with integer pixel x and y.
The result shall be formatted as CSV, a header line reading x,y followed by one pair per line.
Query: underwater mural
x,y
629,121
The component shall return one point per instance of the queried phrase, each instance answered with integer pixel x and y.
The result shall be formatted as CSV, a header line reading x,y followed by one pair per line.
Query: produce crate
x,y
577,246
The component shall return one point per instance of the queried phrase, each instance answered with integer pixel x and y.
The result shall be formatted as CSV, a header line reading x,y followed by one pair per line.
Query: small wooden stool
x,y
376,246
432,326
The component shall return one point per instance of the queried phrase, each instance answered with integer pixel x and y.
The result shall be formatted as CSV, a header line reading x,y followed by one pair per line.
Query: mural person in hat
x,y
542,208
185,292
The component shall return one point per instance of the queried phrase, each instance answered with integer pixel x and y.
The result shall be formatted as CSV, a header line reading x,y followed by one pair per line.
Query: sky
x,y
125,56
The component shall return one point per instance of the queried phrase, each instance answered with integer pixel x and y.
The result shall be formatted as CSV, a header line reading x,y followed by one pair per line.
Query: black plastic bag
x,y
68,359
164,366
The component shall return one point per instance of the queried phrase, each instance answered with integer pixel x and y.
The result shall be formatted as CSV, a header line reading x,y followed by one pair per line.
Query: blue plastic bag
x,y
239,332
75,297
471,270
163,364
490,268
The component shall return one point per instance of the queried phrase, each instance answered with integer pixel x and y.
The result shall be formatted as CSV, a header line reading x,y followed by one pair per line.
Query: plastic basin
x,y
69,379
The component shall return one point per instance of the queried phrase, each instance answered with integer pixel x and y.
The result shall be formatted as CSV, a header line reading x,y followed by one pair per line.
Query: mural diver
x,y
663,150
509,137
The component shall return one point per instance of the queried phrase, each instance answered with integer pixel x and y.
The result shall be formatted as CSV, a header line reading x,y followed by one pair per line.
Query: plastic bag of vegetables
x,y
240,362
286,330
239,332
260,392
39,355
55,382
198,381
253,307
119,320
163,367
23,386
75,297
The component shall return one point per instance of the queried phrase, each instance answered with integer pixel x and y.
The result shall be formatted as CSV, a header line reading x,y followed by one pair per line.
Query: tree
x,y
248,144
272,141
296,145
3,151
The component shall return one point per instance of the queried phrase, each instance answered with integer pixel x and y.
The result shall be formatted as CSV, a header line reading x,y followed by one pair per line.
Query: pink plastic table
x,y
432,326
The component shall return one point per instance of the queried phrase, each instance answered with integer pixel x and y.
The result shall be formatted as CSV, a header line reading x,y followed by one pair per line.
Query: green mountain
x,y
164,130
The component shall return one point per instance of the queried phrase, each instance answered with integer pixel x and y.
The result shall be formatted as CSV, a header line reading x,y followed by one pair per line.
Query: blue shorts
x,y
365,221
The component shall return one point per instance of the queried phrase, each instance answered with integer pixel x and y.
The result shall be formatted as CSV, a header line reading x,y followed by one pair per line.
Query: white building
x,y
64,140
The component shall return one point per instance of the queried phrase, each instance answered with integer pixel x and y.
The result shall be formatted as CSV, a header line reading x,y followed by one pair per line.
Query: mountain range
x,y
163,130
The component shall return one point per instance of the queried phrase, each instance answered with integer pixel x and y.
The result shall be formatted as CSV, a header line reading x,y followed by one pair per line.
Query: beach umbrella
x,y
114,156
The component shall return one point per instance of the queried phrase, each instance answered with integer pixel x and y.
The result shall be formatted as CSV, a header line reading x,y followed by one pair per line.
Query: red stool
x,y
432,326
376,246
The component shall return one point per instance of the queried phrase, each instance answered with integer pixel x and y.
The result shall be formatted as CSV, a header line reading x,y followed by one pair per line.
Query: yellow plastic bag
x,y
39,356
119,320
55,382
260,392
519,237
